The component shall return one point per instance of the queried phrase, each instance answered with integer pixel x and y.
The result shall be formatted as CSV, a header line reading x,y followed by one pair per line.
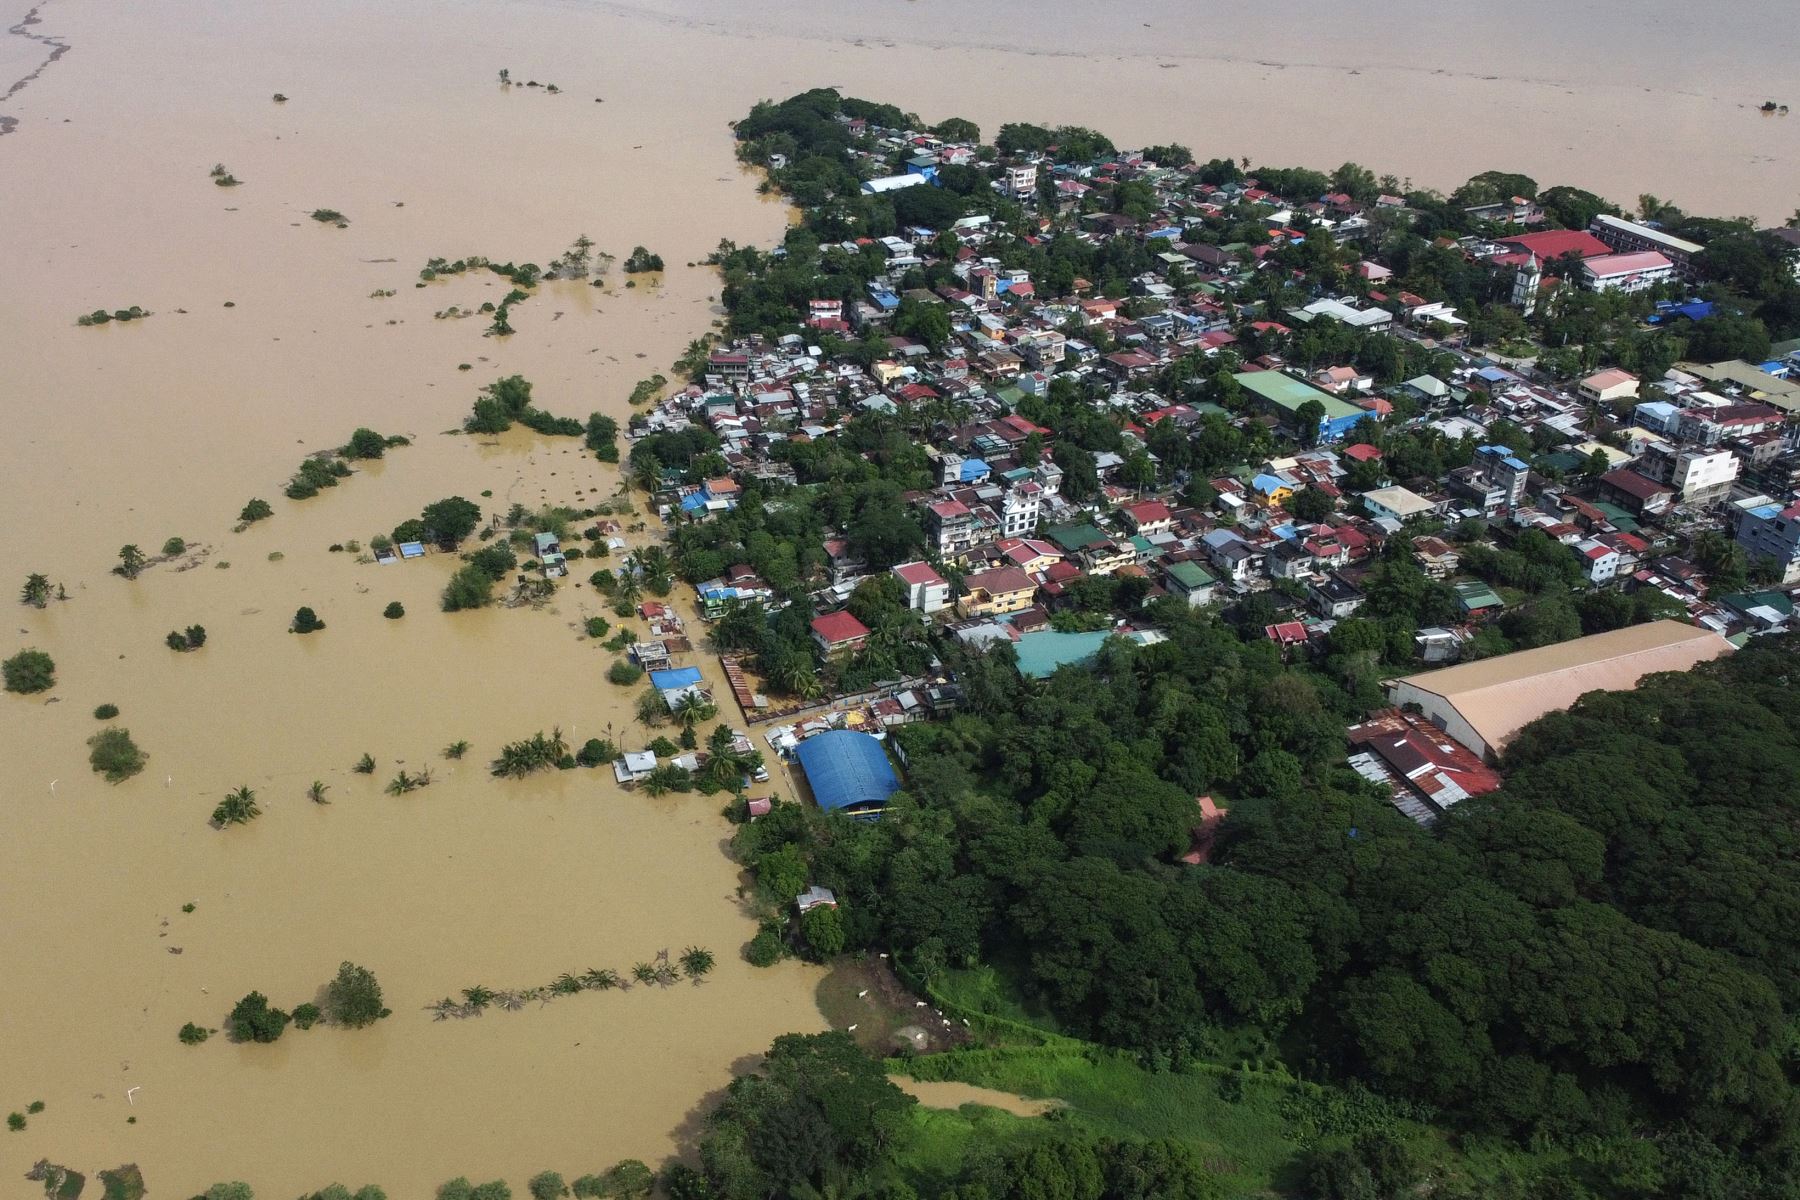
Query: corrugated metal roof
x,y
848,771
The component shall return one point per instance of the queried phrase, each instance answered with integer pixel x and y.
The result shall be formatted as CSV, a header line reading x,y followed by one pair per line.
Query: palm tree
x,y
510,1001
601,979
694,708
237,808
36,591
644,972
131,562
696,961
565,985
456,749
478,997
316,793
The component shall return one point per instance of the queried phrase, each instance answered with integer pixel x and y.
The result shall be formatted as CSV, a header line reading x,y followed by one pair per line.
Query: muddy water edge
x,y
166,427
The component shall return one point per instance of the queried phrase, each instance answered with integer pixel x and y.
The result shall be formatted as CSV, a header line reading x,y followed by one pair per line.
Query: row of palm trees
x,y
535,753
695,963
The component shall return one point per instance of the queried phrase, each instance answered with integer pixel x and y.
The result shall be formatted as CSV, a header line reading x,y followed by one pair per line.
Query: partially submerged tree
x,y
29,671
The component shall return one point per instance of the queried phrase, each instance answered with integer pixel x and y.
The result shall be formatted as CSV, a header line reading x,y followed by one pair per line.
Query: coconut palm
x,y
510,1001
601,979
400,784
696,961
693,708
36,591
443,1009
478,997
456,749
666,975
644,972
565,985
316,793
237,808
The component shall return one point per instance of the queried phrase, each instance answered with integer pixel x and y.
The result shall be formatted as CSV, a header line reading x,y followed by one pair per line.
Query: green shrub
x,y
662,747
306,1015
174,546
29,671
256,510
353,998
252,1020
597,626
764,949
470,587
306,621
15,1121
114,755
394,611
547,1185
495,560
192,1034
106,712
596,752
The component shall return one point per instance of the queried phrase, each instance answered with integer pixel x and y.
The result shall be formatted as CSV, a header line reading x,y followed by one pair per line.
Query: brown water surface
x,y
167,426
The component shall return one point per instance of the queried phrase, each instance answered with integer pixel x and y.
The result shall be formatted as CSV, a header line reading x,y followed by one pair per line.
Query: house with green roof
x,y
1191,580
1285,396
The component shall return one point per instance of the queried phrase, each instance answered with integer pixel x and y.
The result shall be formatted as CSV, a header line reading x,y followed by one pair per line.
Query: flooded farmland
x,y
273,336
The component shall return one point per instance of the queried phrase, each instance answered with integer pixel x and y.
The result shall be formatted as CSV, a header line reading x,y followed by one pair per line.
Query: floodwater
x,y
167,426
949,1094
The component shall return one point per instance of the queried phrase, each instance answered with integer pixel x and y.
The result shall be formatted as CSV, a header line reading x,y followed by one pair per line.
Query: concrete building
x,y
1703,477
1610,384
1627,237
1398,503
1284,394
1637,271
926,590
1483,704
1768,529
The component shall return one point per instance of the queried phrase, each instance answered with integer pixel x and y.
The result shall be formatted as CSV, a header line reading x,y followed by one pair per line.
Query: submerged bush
x,y
29,671
113,754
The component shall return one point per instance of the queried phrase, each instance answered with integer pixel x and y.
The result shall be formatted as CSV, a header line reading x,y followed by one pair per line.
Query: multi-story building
x,y
1632,271
953,527
1020,510
1703,477
926,590
1627,237
1767,529
1020,182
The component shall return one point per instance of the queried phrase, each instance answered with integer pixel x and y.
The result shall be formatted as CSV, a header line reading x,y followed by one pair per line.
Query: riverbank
x,y
120,437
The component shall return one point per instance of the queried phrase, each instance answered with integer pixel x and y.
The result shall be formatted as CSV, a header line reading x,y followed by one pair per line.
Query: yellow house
x,y
1001,590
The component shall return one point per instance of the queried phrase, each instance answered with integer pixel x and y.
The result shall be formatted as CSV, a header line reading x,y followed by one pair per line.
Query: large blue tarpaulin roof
x,y
847,770
676,677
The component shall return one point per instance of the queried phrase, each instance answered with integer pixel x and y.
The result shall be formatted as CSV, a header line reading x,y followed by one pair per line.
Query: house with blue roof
x,y
848,772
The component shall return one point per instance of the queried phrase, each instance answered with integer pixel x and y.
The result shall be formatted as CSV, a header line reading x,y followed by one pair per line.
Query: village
x,y
1290,408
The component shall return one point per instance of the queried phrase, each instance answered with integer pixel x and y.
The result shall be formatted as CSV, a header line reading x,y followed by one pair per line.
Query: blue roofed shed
x,y
848,772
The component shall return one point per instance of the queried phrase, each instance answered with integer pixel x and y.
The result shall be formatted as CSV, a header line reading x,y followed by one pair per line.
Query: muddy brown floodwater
x,y
270,339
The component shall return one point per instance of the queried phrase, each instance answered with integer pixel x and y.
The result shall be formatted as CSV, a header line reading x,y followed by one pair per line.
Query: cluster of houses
x,y
1625,472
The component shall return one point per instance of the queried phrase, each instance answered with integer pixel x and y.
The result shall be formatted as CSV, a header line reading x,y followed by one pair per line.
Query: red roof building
x,y
1551,244
1427,770
839,632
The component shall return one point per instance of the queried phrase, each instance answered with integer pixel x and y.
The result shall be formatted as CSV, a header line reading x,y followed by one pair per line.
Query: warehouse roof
x,y
1499,696
848,771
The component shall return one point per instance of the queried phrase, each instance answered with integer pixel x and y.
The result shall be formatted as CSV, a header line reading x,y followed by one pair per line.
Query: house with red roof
x,y
996,592
839,633
1549,245
926,590
1148,517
